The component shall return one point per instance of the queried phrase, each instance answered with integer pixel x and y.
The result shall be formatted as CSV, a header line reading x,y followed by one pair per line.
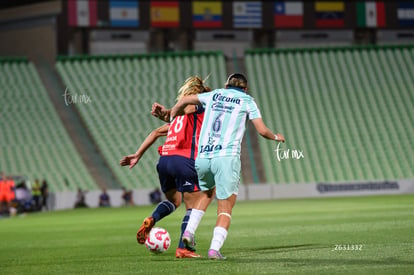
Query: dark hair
x,y
237,80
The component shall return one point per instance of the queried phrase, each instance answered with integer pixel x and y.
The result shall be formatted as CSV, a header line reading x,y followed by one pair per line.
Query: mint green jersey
x,y
226,113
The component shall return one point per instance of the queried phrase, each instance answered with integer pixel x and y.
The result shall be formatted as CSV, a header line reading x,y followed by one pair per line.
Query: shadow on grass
x,y
262,255
325,262
338,259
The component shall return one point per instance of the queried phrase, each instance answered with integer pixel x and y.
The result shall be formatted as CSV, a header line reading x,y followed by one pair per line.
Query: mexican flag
x,y
371,14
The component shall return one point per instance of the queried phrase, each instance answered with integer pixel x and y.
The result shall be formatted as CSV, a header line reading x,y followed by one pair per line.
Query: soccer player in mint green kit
x,y
218,161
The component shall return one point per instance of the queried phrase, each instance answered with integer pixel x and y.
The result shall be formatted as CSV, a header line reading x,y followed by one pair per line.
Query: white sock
x,y
194,220
219,236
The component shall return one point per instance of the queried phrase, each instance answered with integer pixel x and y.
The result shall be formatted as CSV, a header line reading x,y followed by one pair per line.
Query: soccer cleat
x,y
215,255
145,229
188,240
185,253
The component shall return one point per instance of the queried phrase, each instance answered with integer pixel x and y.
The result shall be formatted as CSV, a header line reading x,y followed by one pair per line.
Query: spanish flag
x,y
165,14
207,14
330,14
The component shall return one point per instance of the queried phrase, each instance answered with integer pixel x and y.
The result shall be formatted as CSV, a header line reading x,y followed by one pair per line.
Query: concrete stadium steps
x,y
349,109
33,141
122,90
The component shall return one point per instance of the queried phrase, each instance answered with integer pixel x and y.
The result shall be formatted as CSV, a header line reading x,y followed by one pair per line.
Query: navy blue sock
x,y
183,227
162,210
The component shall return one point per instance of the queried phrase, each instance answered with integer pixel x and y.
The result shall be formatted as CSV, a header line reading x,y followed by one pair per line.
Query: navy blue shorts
x,y
177,172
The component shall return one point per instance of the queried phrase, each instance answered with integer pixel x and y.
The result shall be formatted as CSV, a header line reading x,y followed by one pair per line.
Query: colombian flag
x,y
165,14
207,14
330,14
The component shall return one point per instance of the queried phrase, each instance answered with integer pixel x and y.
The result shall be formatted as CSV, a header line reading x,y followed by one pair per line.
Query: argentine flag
x,y
124,13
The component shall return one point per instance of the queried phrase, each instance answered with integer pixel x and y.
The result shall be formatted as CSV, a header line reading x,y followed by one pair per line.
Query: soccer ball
x,y
158,240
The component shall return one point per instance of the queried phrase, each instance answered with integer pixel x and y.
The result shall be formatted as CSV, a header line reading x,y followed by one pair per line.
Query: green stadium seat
x,y
34,142
122,90
349,109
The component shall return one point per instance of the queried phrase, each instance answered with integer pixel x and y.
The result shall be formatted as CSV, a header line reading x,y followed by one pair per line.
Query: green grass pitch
x,y
358,235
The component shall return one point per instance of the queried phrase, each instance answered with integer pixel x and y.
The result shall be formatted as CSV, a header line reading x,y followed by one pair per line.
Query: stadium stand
x,y
349,109
122,90
34,142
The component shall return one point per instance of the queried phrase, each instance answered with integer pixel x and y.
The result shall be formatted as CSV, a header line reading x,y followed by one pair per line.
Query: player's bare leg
x,y
224,210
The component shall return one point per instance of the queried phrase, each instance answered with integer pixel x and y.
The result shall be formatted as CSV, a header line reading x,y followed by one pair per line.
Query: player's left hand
x,y
158,110
130,160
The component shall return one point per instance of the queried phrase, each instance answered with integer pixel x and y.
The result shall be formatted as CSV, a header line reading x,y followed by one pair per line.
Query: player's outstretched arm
x,y
265,132
180,108
133,159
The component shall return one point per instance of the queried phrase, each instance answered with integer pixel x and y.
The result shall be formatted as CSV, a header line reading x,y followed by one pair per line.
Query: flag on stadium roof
x,y
288,14
247,14
124,13
165,14
207,14
371,14
330,14
82,13
405,14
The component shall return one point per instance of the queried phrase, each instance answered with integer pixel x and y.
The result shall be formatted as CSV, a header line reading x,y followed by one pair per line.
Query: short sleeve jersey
x,y
226,113
183,134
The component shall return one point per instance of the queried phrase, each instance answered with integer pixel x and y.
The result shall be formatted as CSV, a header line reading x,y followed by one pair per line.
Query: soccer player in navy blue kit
x,y
177,174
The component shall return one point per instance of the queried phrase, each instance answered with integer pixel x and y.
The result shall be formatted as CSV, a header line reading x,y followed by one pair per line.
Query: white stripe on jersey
x,y
240,134
231,136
